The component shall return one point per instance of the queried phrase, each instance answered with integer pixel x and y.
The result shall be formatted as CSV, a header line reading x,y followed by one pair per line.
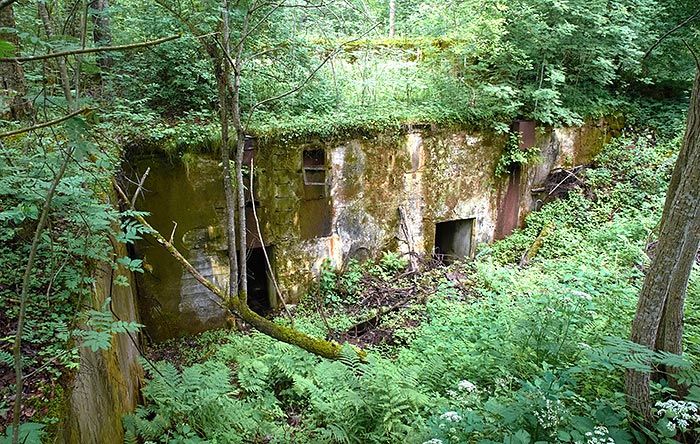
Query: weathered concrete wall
x,y
186,203
564,148
108,382
337,200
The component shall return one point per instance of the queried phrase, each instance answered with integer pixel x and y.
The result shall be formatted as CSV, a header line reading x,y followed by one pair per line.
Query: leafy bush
x,y
82,230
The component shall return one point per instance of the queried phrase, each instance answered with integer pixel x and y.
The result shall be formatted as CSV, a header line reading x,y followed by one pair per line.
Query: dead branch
x,y
139,188
237,306
84,111
536,245
311,75
569,173
172,233
676,28
262,242
173,251
90,50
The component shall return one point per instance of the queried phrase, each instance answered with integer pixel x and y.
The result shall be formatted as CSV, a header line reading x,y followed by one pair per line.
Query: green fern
x,y
351,359
6,358
432,374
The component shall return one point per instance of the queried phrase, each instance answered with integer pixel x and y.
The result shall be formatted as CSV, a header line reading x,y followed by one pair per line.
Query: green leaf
x,y
29,433
7,49
78,132
519,437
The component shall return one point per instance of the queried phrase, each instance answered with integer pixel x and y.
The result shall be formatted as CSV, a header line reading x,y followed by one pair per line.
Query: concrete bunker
x,y
453,240
426,191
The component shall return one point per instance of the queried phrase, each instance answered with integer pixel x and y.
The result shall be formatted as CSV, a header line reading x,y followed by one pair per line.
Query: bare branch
x,y
17,347
246,32
258,54
262,242
172,234
174,252
90,50
663,37
310,76
84,111
692,52
320,347
139,187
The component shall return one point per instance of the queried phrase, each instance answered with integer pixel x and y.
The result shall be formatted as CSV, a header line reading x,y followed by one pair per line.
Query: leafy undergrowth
x,y
486,351
82,230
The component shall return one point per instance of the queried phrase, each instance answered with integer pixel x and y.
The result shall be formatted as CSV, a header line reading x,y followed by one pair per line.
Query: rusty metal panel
x,y
315,218
509,209
526,128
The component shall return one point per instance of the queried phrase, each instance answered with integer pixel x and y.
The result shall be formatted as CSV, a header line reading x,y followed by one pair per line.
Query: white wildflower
x,y
599,435
550,416
680,414
433,441
451,417
582,295
466,386
601,430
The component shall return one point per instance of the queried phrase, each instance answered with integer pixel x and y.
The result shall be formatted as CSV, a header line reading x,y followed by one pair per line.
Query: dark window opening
x,y
260,290
314,168
453,240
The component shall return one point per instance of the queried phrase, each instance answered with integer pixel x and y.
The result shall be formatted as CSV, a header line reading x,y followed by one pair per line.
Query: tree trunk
x,y
101,31
12,81
62,70
392,18
223,75
240,147
235,300
320,347
658,322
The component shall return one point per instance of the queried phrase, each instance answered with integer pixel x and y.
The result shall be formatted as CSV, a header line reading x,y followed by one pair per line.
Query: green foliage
x,y
477,62
343,401
80,234
101,326
513,155
345,288
392,262
626,195
29,433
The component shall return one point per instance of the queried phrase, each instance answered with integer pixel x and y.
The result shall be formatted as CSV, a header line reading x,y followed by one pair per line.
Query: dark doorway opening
x,y
453,240
259,286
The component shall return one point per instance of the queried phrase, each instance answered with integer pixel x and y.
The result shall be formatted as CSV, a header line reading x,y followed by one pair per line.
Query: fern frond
x,y
349,357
